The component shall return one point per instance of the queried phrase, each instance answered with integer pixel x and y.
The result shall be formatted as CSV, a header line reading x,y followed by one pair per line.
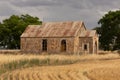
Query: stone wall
x,y
76,45
95,44
34,45
89,42
30,45
73,45
77,41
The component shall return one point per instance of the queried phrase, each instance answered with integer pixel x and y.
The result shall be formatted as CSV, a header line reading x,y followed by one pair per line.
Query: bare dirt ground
x,y
85,70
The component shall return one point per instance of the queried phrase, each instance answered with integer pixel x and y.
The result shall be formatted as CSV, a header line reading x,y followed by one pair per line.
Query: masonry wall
x,y
77,41
30,45
55,45
76,45
89,42
34,45
95,44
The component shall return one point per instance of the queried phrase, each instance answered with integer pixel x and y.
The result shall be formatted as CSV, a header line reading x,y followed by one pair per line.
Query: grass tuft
x,y
25,63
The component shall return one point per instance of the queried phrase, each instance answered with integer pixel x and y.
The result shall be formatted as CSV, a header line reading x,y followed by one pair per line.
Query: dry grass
x,y
96,67
5,58
89,70
112,73
37,74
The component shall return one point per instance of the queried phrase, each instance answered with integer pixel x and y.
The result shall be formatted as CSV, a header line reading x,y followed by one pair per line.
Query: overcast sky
x,y
89,11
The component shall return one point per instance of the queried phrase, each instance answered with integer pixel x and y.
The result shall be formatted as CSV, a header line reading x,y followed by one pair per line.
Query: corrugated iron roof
x,y
53,29
88,33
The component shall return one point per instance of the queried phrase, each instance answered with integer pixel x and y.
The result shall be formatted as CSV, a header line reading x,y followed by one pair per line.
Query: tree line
x,y
109,31
12,28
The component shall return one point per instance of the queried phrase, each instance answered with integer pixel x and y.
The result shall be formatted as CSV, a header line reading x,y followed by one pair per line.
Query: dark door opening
x,y
85,47
63,45
44,45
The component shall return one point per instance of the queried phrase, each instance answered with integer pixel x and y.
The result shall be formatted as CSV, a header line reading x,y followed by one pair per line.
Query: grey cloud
x,y
5,9
89,11
89,16
81,4
76,4
34,3
96,4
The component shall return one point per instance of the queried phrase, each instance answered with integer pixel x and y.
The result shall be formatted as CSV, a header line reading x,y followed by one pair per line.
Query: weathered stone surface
x,y
78,40
34,45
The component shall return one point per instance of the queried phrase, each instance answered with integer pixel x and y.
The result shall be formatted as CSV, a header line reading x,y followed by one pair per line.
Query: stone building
x,y
59,37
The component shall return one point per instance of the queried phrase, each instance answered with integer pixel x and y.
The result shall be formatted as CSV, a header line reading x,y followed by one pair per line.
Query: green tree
x,y
109,32
12,28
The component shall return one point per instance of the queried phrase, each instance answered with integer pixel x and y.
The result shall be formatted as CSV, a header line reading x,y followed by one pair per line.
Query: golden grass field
x,y
87,67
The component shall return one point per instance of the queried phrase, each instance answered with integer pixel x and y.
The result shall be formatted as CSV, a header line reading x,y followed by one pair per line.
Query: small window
x,y
63,45
44,45
85,47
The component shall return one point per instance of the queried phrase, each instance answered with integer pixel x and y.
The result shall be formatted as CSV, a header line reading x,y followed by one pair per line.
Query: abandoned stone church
x,y
59,37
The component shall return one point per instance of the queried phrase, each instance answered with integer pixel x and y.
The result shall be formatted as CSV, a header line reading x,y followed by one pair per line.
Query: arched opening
x,y
44,45
63,45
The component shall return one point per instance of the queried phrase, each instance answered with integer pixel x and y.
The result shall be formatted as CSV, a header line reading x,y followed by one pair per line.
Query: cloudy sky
x,y
89,11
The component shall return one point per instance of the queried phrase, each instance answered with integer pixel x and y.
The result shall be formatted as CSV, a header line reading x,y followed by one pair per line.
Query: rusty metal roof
x,y
53,29
88,33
